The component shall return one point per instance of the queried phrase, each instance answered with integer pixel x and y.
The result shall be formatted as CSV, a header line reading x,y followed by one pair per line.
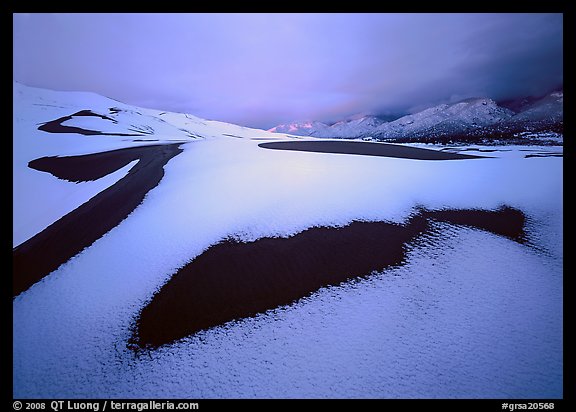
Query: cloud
x,y
263,69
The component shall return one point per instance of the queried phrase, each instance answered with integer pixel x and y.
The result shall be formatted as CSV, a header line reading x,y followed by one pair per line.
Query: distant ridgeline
x,y
478,120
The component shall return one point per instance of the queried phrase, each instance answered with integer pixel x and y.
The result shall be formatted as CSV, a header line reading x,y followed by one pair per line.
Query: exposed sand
x,y
366,149
43,253
232,280
86,167
56,126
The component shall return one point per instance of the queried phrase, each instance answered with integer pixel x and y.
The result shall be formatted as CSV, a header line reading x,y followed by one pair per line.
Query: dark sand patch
x,y
63,239
93,166
366,149
233,280
471,149
56,126
528,156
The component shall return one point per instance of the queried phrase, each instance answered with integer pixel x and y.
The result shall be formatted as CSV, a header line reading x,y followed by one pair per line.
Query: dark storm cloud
x,y
264,69
514,55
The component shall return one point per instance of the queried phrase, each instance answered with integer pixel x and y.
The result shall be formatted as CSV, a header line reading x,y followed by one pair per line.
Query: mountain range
x,y
471,120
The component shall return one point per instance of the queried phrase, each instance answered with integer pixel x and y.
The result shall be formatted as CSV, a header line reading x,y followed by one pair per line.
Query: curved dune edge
x,y
233,280
63,239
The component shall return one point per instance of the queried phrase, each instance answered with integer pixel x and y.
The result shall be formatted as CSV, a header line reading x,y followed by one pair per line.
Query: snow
x,y
58,198
424,330
470,314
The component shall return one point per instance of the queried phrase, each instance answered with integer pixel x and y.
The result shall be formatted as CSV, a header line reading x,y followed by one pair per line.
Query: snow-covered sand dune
x,y
44,252
235,280
468,314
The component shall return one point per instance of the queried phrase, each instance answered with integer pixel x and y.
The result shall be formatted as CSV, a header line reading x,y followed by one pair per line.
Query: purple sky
x,y
264,69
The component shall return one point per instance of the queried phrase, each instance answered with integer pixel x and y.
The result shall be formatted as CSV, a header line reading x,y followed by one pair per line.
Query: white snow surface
x,y
470,314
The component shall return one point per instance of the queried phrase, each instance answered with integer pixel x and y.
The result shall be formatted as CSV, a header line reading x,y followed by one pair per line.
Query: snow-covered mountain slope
x,y
548,109
461,116
466,314
361,126
305,128
454,118
471,117
354,126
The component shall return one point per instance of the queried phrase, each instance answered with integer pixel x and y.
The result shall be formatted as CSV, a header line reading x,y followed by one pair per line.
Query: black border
x,y
430,7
